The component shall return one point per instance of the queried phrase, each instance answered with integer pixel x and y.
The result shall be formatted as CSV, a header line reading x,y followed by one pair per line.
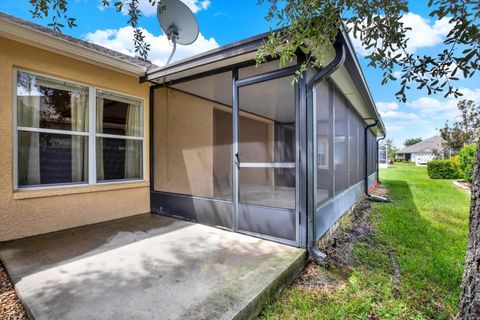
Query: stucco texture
x,y
25,212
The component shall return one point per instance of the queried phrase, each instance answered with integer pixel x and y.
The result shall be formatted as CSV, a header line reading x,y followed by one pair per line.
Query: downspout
x,y
340,55
378,164
366,155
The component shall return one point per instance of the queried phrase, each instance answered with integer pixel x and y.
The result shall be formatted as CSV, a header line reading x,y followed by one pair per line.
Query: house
x,y
382,155
91,135
423,152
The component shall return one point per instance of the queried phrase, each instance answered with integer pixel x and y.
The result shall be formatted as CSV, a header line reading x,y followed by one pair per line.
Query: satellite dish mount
x,y
178,23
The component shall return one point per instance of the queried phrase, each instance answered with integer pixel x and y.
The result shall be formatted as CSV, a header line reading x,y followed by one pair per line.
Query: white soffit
x,y
344,82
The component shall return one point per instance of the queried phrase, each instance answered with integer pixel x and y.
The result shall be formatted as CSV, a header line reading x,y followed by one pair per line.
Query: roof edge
x,y
20,33
251,44
361,76
224,52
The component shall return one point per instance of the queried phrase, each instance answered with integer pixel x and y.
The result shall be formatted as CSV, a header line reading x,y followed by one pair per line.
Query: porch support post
x,y
302,131
151,136
235,168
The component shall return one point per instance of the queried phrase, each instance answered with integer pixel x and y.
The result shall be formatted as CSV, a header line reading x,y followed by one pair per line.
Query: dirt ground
x,y
10,306
339,248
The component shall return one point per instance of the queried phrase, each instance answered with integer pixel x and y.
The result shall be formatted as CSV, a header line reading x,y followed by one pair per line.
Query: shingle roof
x,y
88,45
425,146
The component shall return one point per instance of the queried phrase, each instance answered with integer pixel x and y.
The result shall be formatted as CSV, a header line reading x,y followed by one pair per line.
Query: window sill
x,y
21,194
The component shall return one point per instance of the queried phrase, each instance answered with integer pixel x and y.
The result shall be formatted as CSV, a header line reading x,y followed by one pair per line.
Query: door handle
x,y
237,160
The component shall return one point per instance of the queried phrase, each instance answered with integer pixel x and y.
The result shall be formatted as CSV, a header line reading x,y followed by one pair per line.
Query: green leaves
x,y
311,26
42,8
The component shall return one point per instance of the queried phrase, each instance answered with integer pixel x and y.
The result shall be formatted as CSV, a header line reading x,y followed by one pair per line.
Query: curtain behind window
x,y
133,148
99,142
79,114
29,164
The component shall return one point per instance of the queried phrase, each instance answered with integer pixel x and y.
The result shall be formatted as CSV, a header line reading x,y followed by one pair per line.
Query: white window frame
x,y
91,134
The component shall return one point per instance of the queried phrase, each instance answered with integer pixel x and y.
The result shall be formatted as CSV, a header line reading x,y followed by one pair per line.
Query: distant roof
x,y
74,41
425,146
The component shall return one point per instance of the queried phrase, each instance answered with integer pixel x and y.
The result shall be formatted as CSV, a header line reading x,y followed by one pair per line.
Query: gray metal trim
x,y
235,168
327,213
302,148
238,207
267,164
229,51
333,100
372,179
269,221
211,212
267,76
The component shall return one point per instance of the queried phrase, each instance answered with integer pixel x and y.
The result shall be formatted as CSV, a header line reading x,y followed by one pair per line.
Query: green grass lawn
x,y
426,229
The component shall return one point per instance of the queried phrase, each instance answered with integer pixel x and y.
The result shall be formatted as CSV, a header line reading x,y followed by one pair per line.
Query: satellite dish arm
x,y
174,40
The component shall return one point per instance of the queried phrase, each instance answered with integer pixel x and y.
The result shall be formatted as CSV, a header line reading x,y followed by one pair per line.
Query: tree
x,y
391,149
466,130
412,141
311,26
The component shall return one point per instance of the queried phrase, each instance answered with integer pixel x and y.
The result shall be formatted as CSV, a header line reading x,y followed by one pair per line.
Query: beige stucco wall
x,y
27,212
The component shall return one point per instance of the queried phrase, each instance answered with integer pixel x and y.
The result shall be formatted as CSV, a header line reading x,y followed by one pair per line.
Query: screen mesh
x,y
324,114
341,143
353,142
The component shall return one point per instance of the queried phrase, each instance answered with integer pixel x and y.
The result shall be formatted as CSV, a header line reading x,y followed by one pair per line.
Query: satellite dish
x,y
178,22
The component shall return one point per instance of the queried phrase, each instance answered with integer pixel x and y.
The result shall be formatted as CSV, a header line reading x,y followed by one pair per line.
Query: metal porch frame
x,y
225,214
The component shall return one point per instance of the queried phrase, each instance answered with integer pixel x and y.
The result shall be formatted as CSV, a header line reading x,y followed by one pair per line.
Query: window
x,y
56,138
119,137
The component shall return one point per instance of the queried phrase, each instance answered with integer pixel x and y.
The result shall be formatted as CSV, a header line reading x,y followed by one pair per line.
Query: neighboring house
x,y
423,152
382,155
89,134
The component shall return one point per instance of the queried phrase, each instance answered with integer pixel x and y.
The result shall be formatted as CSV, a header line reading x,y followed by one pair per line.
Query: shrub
x,y
456,160
442,169
467,161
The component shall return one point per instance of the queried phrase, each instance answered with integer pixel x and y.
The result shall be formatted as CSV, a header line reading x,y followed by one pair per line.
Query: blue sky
x,y
225,21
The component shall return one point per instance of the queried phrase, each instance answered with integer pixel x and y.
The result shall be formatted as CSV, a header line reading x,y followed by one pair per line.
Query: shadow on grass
x,y
429,245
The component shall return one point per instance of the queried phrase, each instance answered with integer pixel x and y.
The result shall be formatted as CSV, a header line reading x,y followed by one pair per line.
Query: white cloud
x,y
148,10
399,115
385,106
445,108
121,40
423,33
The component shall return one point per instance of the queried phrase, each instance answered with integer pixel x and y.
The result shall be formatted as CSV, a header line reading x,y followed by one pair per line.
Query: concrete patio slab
x,y
147,267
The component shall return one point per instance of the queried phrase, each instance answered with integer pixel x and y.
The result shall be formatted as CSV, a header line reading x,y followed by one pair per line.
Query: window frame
x,y
91,134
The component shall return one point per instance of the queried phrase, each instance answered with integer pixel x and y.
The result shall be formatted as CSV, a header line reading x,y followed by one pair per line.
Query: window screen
x,y
341,143
372,152
324,114
353,148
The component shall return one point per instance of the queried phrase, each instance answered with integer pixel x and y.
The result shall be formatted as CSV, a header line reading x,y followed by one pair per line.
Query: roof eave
x,y
250,45
48,42
232,50
355,68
